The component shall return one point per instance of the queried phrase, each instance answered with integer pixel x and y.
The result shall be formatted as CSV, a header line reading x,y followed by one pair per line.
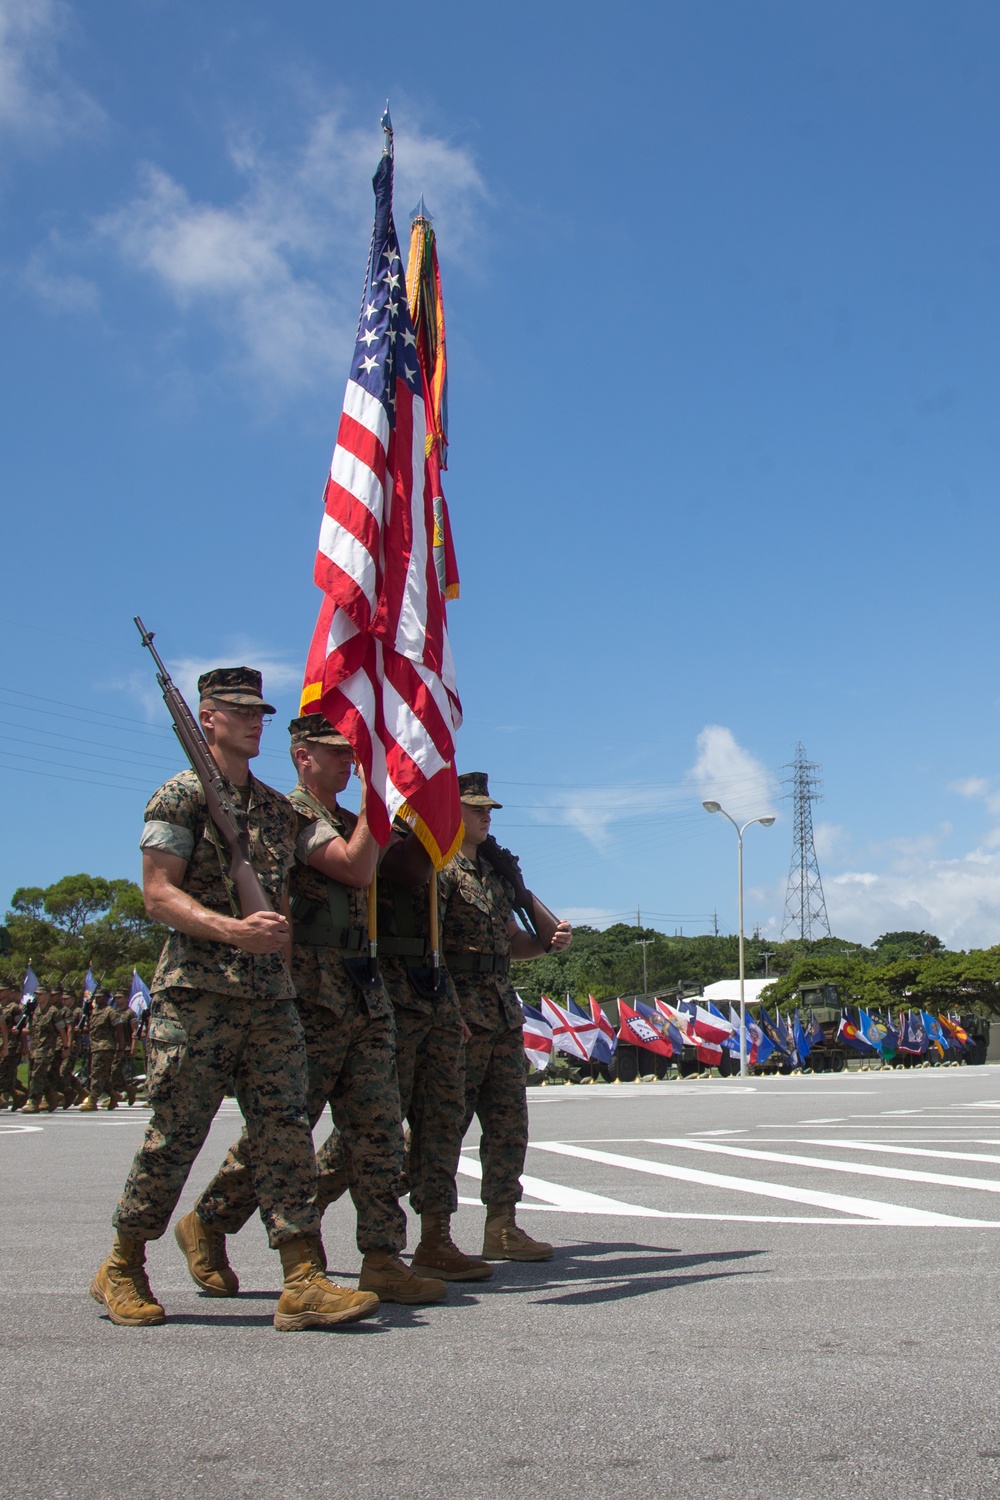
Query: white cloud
x,y
279,268
970,786
725,772
277,672
39,102
62,291
958,899
829,839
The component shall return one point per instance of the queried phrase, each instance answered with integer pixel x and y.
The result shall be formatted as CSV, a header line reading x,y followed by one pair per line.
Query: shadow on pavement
x,y
616,1271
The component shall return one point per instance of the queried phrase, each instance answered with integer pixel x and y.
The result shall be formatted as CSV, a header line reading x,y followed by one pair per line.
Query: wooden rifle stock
x,y
221,808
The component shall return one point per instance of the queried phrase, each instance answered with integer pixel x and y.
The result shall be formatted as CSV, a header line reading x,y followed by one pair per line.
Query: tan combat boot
x,y
308,1299
31,1108
88,1104
52,1101
386,1274
504,1240
112,1102
438,1255
123,1286
204,1250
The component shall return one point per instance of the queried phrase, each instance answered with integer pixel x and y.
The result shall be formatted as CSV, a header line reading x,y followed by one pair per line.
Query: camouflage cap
x,y
314,729
240,685
474,788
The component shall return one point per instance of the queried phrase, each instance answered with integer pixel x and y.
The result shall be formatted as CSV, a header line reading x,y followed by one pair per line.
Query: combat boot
x,y
386,1274
308,1299
130,1094
112,1102
204,1250
88,1104
52,1101
438,1255
123,1286
31,1108
504,1240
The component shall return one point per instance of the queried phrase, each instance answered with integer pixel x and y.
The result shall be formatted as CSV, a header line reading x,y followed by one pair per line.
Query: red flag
x,y
380,666
636,1031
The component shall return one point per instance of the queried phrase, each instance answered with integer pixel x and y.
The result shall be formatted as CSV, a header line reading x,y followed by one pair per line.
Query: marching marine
x,y
104,1030
48,1044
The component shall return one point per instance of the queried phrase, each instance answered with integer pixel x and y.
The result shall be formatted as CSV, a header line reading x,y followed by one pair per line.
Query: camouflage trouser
x,y
68,1082
351,1067
44,1076
9,1066
495,1070
429,1066
102,1062
199,1044
121,1073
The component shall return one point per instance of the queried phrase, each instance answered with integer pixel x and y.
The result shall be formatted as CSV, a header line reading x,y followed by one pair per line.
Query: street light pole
x,y
765,822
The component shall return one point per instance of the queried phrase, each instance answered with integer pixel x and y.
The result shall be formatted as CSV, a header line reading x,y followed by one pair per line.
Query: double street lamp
x,y
716,807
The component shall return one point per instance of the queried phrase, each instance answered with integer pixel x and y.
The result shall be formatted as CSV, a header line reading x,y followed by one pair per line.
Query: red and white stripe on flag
x,y
575,1038
380,667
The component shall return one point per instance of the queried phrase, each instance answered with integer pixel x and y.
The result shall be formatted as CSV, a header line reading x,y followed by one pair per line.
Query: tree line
x,y
86,920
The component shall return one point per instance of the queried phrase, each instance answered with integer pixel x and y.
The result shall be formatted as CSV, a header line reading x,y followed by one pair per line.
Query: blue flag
x,y
801,1039
29,989
913,1038
779,1043
934,1032
89,983
871,1032
139,999
815,1032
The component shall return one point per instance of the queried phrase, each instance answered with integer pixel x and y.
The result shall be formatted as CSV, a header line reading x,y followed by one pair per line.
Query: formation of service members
x,y
56,1037
283,1008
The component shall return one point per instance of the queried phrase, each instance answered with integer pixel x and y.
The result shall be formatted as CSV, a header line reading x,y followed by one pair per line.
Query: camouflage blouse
x,y
177,822
104,1028
320,975
475,904
44,1028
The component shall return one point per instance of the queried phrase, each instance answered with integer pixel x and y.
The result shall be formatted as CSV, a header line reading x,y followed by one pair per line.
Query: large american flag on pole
x,y
380,667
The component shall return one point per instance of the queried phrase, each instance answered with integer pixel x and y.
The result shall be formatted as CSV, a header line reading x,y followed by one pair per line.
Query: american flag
x,y
380,666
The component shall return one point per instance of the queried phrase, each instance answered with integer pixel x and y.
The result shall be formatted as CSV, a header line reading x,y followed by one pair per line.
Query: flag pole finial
x,y
386,123
421,212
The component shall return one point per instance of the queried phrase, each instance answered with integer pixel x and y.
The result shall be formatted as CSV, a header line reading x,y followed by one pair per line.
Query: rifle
x,y
27,1011
222,810
534,914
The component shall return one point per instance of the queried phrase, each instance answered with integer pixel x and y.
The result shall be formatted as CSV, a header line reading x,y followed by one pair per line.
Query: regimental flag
x,y
873,1033
89,983
139,999
537,1037
380,666
29,985
423,284
575,1038
638,1031
802,1046
775,1034
606,1044
912,1037
814,1032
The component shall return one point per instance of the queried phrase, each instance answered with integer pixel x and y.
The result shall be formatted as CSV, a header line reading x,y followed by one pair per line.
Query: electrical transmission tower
x,y
805,904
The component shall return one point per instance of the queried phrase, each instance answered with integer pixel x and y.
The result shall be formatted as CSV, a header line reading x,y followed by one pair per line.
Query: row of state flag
x,y
667,1029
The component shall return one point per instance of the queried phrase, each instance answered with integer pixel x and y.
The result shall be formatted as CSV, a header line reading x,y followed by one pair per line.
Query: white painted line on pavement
x,y
19,1129
869,1208
573,1200
853,1169
883,1147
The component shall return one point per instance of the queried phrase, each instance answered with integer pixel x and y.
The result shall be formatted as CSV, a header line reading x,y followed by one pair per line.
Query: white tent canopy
x,y
727,991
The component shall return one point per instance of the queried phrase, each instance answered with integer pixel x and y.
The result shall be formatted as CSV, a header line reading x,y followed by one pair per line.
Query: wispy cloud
x,y
40,104
278,268
278,673
958,899
725,772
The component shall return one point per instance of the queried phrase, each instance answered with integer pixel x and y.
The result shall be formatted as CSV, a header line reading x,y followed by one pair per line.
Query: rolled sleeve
x,y
314,838
171,838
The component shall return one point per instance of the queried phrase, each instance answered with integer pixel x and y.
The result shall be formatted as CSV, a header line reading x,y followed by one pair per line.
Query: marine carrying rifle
x,y
534,914
221,808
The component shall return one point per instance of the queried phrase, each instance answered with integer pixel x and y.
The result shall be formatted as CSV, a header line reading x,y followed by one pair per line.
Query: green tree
x,y
81,920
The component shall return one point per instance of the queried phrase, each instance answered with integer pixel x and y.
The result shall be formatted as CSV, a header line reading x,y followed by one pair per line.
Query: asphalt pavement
x,y
779,1288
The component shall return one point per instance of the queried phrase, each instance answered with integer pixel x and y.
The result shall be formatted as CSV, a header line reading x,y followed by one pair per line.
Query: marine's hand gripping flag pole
x,y
380,666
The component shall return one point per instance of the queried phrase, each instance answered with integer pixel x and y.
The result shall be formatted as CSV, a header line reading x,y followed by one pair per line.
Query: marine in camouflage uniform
x,y
10,1089
47,1040
430,1064
69,1085
478,935
104,1030
222,1014
121,1072
349,1032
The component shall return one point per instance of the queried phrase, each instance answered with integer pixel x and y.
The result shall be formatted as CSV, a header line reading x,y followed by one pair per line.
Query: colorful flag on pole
x,y
802,1046
139,999
380,667
29,986
89,983
683,1022
607,1043
849,1033
537,1037
575,1038
759,1046
636,1031
423,285
912,1038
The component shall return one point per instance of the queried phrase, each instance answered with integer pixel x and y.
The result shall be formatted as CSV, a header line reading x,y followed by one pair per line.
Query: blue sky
x,y
722,294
